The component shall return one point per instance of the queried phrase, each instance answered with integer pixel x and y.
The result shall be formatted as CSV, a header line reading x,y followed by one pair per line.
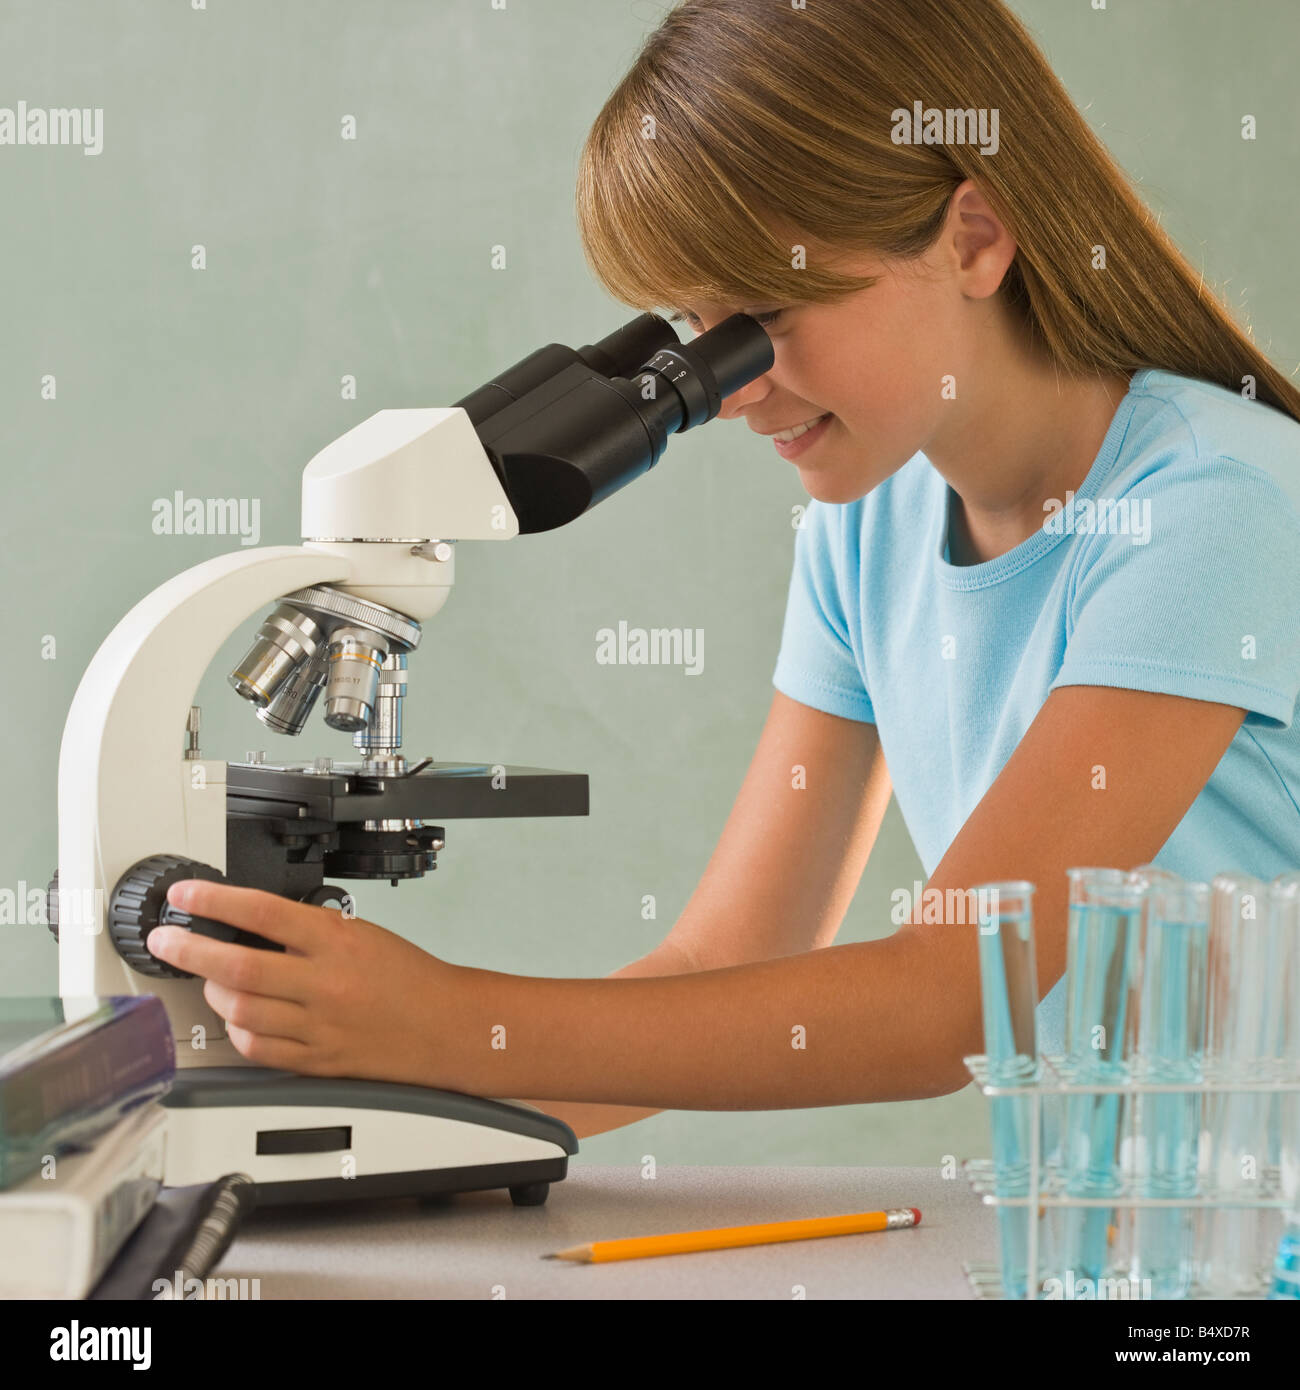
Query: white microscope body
x,y
382,508
127,792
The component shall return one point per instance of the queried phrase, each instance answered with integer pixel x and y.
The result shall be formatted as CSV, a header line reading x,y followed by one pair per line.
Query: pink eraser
x,y
916,1216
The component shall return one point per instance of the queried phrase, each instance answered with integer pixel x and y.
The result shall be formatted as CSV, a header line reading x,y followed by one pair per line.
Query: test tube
x,y
1105,911
1286,1266
1241,1019
1286,907
1134,1157
1008,996
1168,1031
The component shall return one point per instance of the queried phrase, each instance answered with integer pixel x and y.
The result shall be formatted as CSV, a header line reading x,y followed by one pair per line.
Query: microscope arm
x,y
126,790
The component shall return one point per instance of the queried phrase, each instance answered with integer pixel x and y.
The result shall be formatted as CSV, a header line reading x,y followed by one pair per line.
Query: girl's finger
x,y
257,1013
243,968
266,914
280,1053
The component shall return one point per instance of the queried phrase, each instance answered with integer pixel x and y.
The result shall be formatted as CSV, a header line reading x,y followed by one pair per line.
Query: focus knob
x,y
139,904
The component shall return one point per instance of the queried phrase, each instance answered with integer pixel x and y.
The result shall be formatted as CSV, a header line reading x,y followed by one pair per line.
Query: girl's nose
x,y
734,404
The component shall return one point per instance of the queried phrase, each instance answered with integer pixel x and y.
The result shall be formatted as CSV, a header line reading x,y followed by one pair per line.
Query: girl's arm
x,y
881,1020
785,868
1102,777
586,1119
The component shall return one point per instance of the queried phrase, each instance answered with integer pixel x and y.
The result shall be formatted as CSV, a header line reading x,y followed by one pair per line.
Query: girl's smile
x,y
793,444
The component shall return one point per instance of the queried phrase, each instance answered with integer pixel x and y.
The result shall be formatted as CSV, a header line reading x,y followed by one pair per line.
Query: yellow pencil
x,y
725,1237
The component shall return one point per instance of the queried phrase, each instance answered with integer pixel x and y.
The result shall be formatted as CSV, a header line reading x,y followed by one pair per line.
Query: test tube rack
x,y
1046,1188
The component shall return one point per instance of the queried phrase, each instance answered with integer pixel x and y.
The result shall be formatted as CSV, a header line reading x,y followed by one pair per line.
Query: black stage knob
x,y
139,904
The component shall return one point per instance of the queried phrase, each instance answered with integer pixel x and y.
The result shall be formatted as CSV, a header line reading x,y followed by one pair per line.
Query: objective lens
x,y
354,660
288,639
287,712
383,732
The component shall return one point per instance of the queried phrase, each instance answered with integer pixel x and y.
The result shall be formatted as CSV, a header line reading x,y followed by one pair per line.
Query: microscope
x,y
141,806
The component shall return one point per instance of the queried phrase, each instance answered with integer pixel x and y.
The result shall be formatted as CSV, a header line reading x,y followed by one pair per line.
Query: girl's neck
x,y
1023,435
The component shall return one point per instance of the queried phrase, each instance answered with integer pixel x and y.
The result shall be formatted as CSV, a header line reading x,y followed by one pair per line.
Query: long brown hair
x,y
744,121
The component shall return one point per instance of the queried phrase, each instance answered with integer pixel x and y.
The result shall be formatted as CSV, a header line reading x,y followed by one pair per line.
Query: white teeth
x,y
789,436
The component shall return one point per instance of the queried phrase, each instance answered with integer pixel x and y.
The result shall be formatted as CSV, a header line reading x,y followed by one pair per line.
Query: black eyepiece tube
x,y
736,351
619,354
580,435
516,382
704,372
623,351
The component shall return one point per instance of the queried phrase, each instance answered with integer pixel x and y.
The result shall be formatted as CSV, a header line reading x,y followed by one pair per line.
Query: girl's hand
x,y
345,998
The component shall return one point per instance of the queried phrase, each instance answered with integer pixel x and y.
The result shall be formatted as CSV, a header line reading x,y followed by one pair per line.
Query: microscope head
x,y
529,451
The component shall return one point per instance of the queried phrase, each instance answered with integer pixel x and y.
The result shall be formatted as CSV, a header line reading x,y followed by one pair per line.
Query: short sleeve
x,y
1193,589
815,664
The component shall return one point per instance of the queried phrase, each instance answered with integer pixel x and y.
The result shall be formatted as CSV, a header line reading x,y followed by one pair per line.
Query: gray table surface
x,y
478,1245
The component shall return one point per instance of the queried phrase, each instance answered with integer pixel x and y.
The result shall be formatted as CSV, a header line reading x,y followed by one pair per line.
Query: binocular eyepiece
x,y
694,378
565,429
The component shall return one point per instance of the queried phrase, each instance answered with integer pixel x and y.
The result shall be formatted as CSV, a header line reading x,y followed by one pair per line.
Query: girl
x,y
1046,588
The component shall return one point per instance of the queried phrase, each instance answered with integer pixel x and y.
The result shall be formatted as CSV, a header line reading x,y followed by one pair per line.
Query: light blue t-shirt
x,y
1192,589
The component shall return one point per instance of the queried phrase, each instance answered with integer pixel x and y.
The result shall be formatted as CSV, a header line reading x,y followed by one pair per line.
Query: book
x,y
180,1242
60,1228
71,1068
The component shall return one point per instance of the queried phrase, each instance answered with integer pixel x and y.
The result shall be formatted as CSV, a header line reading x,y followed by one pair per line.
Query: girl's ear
x,y
981,246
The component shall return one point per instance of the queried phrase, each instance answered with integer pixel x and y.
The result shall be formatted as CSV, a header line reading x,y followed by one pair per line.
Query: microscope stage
x,y
439,791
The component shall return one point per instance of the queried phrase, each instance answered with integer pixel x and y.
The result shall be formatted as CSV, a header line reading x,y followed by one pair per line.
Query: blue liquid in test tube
x,y
1169,1028
1008,995
1105,913
1286,916
1286,1268
1242,984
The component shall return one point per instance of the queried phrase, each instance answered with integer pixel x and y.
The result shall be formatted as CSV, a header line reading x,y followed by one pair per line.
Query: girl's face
x,y
876,362
910,364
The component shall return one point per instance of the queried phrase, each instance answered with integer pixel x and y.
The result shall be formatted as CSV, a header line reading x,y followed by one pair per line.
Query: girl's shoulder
x,y
1182,422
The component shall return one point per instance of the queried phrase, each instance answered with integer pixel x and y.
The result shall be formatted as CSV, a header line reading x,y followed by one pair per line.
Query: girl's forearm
x,y
880,1020
585,1118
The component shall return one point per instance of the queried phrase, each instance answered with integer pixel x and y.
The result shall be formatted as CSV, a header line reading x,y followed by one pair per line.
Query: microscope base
x,y
326,1139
